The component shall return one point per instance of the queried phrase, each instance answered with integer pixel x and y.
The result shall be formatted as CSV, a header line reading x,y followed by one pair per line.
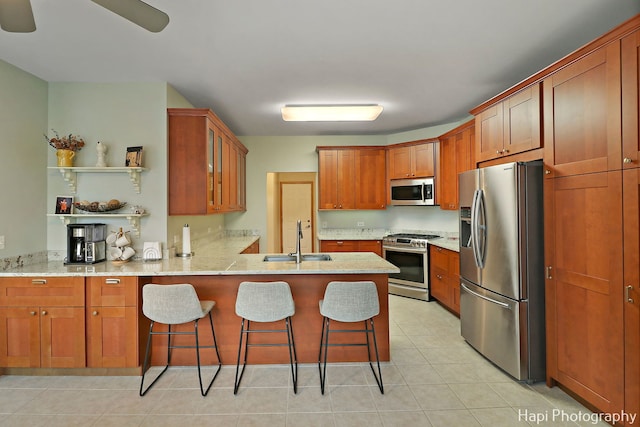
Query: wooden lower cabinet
x,y
113,335
444,274
42,322
584,287
631,221
253,249
374,246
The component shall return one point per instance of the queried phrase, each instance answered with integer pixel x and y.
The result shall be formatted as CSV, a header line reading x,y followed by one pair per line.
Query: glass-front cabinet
x,y
206,162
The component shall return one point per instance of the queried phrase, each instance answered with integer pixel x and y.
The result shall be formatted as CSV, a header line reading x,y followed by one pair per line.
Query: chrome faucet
x,y
298,252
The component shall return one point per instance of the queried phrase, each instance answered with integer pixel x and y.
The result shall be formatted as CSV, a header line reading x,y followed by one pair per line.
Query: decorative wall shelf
x,y
69,174
134,219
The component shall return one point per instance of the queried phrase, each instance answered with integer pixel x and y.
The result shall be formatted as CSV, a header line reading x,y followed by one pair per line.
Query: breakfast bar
x,y
87,319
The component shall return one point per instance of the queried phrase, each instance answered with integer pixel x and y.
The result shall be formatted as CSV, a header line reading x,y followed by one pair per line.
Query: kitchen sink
x,y
305,257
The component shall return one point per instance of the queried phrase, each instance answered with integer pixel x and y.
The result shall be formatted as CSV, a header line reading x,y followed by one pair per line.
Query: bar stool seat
x,y
265,302
349,302
176,305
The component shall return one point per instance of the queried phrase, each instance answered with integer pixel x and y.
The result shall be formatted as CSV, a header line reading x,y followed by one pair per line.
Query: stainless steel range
x,y
408,252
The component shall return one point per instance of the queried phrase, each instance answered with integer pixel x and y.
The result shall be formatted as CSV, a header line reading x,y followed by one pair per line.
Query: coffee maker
x,y
86,243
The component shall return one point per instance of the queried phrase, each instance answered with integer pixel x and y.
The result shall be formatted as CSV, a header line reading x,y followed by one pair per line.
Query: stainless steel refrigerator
x,y
502,266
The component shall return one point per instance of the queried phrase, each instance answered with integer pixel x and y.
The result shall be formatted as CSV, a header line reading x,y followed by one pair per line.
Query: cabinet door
x,y
112,337
582,118
346,179
400,163
328,179
370,180
190,164
454,280
439,286
423,160
489,133
338,246
62,335
19,337
522,121
584,294
630,100
374,246
447,175
631,205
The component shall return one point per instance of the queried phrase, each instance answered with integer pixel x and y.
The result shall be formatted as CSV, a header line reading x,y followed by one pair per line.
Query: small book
x,y
134,157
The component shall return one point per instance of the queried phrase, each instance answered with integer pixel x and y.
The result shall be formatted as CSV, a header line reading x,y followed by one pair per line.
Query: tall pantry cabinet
x,y
590,113
631,217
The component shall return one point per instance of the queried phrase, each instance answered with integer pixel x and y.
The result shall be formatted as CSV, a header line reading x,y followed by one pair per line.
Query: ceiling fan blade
x,y
138,12
16,16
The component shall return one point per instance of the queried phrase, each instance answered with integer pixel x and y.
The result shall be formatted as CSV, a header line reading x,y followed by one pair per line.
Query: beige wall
x,y
23,173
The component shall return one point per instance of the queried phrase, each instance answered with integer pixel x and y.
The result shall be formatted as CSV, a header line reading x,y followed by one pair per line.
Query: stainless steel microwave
x,y
413,192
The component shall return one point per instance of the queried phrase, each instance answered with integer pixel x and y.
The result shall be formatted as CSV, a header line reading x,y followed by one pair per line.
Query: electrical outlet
x,y
360,223
1,242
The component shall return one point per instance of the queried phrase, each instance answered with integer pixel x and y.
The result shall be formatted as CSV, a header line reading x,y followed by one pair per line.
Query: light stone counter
x,y
220,257
351,234
451,243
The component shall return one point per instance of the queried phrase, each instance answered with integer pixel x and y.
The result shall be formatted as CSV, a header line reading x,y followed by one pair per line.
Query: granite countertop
x,y
219,257
451,243
448,240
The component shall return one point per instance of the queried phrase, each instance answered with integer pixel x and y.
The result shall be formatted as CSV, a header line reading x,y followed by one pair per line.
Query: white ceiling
x,y
427,62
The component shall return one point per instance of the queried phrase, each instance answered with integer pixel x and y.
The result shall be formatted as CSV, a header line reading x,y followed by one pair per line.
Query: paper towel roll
x,y
186,239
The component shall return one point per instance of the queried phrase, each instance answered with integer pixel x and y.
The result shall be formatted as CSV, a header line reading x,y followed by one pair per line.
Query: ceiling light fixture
x,y
330,113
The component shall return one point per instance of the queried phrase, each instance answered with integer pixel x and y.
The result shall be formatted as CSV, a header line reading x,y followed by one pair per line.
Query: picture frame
x,y
134,157
64,205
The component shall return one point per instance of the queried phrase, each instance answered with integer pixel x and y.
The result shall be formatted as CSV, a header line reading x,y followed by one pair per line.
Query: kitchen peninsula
x,y
87,319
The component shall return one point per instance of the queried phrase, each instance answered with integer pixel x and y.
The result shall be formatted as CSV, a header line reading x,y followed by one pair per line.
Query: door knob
x,y
627,160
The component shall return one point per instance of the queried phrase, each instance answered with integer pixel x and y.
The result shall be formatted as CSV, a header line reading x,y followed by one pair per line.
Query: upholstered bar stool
x,y
175,305
265,302
349,302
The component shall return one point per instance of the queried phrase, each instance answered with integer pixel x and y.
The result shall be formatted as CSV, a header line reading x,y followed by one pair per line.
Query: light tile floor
x,y
433,379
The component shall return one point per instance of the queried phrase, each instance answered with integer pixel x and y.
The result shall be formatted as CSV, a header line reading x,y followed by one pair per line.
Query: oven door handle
x,y
410,250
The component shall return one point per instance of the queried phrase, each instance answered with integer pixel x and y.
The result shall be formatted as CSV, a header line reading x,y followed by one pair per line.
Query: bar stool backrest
x,y
264,301
171,304
350,301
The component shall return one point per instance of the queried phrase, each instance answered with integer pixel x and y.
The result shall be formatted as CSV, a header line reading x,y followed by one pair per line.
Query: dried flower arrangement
x,y
70,142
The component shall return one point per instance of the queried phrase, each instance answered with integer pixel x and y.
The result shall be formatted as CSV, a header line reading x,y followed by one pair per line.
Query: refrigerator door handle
x,y
481,229
491,300
474,229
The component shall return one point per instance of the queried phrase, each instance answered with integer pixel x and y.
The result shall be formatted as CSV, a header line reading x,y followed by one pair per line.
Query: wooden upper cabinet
x,y
456,155
204,171
370,184
351,178
412,161
512,126
582,115
630,100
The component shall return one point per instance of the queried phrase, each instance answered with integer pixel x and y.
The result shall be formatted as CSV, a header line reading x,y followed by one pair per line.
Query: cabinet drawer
x,y
339,246
112,291
40,291
440,258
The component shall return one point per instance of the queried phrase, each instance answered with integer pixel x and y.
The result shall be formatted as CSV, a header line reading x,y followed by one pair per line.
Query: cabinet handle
x,y
627,294
505,151
438,249
39,281
549,272
44,312
627,160
112,281
547,172
33,313
95,313
439,276
498,152
339,243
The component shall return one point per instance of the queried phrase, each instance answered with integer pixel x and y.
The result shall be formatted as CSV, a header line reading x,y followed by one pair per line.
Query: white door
x,y
296,200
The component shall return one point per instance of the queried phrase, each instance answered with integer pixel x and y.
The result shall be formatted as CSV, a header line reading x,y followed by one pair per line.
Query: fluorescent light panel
x,y
330,113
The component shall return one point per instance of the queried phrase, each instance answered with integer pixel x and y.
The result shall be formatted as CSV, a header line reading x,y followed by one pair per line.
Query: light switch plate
x,y
1,242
